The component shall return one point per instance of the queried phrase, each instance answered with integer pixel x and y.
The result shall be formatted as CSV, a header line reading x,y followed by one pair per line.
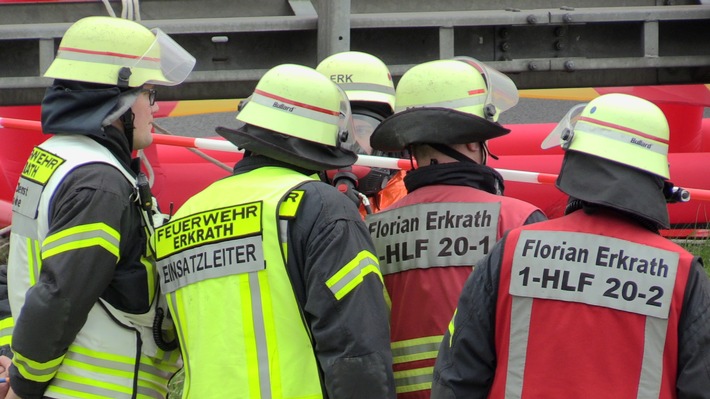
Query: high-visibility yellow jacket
x,y
265,307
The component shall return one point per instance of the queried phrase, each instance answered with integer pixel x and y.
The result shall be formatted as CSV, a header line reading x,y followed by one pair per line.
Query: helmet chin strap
x,y
127,119
486,153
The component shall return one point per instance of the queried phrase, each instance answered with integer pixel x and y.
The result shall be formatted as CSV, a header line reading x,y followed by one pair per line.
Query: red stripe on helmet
x,y
477,91
296,103
623,128
106,53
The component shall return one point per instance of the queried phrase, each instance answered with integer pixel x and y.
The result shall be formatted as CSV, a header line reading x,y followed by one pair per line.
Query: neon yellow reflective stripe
x,y
154,374
117,361
386,294
91,385
451,328
68,385
85,364
352,274
37,371
413,380
6,327
84,236
34,261
416,349
116,374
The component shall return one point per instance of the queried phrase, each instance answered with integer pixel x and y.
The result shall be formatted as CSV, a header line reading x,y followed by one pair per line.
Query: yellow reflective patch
x,y
289,206
207,227
41,165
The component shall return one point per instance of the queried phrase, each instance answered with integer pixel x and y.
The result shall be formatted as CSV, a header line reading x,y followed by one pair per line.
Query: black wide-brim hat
x,y
289,149
433,126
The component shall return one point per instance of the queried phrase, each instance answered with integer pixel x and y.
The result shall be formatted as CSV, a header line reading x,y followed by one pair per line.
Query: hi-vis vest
x,y
221,263
588,307
105,360
417,242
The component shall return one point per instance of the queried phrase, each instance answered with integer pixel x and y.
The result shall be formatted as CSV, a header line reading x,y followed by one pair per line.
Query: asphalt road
x,y
527,111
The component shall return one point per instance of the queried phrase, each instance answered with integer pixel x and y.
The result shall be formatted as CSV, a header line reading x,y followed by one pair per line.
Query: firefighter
x,y
368,84
82,287
270,274
595,304
454,211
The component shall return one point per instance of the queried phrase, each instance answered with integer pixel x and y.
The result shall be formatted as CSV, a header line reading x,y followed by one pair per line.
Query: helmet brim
x,y
302,153
433,126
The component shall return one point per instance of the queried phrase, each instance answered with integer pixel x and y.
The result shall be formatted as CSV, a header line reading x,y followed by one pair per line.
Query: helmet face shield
x,y
363,126
175,62
502,92
562,132
346,127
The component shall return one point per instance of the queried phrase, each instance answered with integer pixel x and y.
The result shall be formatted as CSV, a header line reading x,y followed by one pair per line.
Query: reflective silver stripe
x,y
352,274
147,63
151,393
423,350
519,333
149,369
368,87
652,366
81,236
35,372
24,226
297,110
87,389
96,362
283,238
262,353
459,103
642,142
426,377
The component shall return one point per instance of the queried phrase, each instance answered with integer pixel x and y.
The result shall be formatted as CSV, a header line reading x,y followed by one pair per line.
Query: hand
x,y
11,394
5,363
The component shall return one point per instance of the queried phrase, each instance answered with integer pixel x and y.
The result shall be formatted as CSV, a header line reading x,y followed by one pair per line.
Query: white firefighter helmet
x,y
119,52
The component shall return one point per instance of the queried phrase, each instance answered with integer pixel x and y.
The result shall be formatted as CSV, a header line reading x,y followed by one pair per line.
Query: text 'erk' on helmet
x,y
453,101
363,77
298,116
119,52
616,154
